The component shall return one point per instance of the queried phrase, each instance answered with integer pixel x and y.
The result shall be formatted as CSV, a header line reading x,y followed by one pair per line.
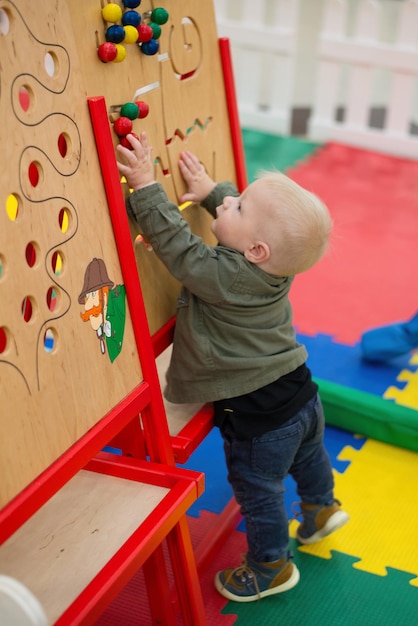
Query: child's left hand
x,y
138,169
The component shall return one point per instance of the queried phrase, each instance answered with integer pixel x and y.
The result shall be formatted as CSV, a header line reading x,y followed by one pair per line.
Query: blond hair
x,y
298,227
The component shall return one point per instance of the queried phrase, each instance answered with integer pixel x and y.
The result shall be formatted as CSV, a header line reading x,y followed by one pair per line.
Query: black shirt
x,y
267,408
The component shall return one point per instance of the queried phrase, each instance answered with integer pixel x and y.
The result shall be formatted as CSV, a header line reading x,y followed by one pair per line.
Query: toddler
x,y
234,345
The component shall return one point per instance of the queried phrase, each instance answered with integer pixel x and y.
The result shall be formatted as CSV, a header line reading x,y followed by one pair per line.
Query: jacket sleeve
x,y
216,196
186,256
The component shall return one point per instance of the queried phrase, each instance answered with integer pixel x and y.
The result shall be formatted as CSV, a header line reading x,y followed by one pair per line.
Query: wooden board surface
x,y
55,382
57,377
183,88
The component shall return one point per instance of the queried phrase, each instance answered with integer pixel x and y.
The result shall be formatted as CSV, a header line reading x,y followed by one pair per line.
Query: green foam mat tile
x,y
265,151
333,593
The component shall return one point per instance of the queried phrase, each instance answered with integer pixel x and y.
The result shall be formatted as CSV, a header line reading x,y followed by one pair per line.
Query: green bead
x,y
156,30
159,15
129,110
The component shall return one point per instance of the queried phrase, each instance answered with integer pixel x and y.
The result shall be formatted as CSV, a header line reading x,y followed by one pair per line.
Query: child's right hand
x,y
199,183
137,168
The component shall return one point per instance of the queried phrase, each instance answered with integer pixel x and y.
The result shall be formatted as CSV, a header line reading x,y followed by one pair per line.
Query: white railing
x,y
352,65
263,47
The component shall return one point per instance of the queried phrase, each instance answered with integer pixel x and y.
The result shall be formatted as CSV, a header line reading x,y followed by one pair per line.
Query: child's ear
x,y
258,252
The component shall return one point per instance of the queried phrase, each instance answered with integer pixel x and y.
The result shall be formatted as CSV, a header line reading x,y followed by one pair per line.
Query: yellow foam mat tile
x,y
408,395
379,492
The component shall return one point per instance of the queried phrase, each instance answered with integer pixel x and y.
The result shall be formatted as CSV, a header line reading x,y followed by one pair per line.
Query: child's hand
x,y
199,183
138,169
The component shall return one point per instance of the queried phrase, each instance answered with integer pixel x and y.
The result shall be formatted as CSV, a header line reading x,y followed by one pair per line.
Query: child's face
x,y
237,222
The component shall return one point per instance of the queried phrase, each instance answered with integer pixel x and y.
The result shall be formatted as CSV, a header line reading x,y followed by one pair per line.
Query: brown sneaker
x,y
320,521
252,581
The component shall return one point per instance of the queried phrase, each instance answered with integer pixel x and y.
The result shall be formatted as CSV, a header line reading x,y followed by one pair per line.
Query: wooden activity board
x,y
59,374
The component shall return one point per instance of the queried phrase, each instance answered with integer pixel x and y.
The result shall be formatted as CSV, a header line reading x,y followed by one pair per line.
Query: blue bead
x,y
150,47
131,4
131,18
115,33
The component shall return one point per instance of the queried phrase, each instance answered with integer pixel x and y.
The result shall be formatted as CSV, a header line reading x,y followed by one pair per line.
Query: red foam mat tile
x,y
368,278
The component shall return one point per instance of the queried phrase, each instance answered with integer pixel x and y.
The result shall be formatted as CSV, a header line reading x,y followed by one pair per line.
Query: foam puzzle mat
x,y
376,490
364,574
407,394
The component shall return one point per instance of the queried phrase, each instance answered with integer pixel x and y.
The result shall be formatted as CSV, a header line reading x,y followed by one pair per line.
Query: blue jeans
x,y
257,468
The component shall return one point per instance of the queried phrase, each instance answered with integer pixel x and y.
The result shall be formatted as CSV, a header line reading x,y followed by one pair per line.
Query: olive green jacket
x,y
234,330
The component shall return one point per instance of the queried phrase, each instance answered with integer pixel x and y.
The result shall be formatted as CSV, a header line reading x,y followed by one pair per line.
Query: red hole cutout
x,y
62,145
3,340
27,309
33,174
30,254
51,298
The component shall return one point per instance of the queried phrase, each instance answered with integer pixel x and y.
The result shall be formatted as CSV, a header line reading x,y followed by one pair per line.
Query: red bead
x,y
125,142
145,33
122,126
107,52
143,108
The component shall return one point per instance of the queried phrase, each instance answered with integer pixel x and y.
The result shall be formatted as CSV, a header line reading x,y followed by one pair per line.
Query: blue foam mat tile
x,y
210,457
343,364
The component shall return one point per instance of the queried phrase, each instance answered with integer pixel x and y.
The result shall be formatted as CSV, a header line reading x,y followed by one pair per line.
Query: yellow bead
x,y
112,13
131,34
121,53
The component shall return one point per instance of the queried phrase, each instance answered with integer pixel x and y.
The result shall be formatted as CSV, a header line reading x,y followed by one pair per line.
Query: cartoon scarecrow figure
x,y
104,307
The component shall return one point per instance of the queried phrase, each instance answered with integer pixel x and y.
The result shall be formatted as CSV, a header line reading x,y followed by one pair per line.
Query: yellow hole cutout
x,y
12,207
64,220
56,263
184,205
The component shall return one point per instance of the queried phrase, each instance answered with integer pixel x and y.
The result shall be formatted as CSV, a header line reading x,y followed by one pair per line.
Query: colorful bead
x,y
159,15
131,18
130,110
121,53
111,12
107,52
143,108
156,30
115,33
122,126
150,47
125,142
145,32
131,4
131,34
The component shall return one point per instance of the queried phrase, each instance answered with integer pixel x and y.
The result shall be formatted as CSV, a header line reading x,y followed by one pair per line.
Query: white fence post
x,y
263,46
399,113
324,112
364,54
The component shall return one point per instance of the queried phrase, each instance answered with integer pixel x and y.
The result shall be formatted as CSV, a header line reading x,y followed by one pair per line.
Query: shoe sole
x,y
332,524
289,584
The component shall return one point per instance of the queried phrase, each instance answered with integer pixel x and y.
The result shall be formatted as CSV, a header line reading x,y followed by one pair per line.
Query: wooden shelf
x,y
62,553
